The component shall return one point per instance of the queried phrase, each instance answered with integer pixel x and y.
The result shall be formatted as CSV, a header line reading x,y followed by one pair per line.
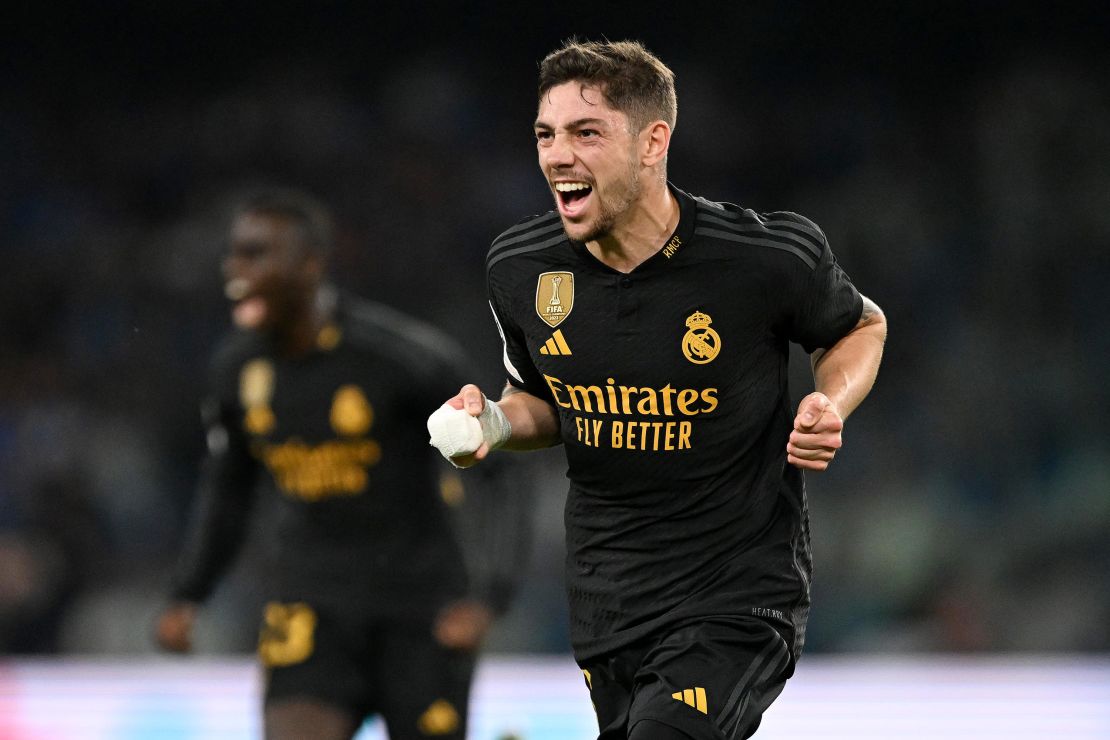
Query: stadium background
x,y
957,155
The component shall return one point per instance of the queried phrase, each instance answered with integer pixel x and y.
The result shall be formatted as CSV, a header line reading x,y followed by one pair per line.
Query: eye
x,y
587,133
250,250
544,136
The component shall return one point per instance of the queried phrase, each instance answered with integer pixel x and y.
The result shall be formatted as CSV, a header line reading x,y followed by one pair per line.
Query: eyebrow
x,y
579,123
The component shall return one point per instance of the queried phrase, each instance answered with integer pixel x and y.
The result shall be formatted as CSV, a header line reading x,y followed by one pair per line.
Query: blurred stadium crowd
x,y
960,167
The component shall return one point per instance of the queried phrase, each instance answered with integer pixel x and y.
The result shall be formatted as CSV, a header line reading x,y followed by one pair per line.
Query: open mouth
x,y
249,310
572,197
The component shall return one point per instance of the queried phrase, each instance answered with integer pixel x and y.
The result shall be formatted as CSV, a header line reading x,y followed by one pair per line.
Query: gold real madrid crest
x,y
700,344
554,296
351,414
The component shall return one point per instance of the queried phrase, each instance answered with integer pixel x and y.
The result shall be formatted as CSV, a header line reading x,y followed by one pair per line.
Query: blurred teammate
x,y
648,331
320,400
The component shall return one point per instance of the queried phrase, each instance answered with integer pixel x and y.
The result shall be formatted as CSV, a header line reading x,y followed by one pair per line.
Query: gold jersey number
x,y
287,634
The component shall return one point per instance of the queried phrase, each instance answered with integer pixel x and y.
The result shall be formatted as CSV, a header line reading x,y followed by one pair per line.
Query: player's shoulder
x,y
382,329
528,236
779,233
233,352
235,349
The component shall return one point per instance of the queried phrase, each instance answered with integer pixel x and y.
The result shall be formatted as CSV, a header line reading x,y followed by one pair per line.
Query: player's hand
x,y
473,401
467,427
462,625
174,630
817,433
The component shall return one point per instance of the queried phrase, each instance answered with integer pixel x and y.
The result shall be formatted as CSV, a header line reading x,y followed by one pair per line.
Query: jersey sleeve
x,y
224,494
822,304
494,526
490,505
493,521
522,372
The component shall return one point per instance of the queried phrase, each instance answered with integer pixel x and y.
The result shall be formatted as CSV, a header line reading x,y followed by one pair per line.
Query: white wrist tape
x,y
455,432
495,425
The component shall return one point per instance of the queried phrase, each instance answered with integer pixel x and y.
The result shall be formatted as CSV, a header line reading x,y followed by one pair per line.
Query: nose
x,y
560,153
234,266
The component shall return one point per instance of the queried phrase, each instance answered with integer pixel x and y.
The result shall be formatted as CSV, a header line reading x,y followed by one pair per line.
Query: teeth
x,y
567,187
236,289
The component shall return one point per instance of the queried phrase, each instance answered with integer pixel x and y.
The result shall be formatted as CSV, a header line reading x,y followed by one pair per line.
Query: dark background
x,y
956,154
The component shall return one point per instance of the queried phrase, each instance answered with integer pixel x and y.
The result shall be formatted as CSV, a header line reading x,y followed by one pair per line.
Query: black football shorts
x,y
710,678
367,666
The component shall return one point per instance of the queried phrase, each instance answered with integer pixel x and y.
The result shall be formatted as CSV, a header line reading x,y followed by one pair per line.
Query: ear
x,y
655,139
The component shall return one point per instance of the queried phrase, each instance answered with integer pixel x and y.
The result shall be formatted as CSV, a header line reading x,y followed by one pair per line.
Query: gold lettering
x,y
354,479
709,395
648,405
551,383
626,391
613,398
668,392
336,467
684,430
685,398
372,453
589,431
612,393
672,246
584,392
650,435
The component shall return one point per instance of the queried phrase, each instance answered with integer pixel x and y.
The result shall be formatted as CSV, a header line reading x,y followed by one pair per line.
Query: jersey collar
x,y
669,251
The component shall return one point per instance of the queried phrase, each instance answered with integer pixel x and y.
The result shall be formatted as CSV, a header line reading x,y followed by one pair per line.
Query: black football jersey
x,y
358,502
670,383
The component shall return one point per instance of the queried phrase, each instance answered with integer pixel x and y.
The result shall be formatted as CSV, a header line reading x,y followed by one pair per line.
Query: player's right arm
x,y
469,426
532,422
536,422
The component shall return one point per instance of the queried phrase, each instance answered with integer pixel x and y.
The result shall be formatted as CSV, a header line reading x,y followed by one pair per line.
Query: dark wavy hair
x,y
632,79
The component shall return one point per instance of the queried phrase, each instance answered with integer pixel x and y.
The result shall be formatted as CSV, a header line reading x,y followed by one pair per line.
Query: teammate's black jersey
x,y
338,439
671,387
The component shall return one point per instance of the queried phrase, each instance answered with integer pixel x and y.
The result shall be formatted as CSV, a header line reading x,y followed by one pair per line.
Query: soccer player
x,y
319,400
648,330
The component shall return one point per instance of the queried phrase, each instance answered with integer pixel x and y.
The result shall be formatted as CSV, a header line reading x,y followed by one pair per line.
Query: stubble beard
x,y
610,209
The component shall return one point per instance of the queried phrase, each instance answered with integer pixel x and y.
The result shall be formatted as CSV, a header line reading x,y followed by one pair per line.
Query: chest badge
x,y
700,344
554,296
351,414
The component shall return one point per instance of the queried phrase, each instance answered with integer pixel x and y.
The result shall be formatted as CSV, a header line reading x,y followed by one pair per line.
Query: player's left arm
x,y
843,376
494,526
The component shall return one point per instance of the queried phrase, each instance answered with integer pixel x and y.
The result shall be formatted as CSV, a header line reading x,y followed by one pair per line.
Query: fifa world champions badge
x,y
554,297
700,344
256,388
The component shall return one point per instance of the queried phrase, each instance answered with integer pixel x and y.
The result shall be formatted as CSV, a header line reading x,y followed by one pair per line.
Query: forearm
x,y
847,370
534,422
495,528
216,530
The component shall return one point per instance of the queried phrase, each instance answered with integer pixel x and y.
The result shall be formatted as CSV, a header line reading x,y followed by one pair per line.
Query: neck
x,y
644,228
299,337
